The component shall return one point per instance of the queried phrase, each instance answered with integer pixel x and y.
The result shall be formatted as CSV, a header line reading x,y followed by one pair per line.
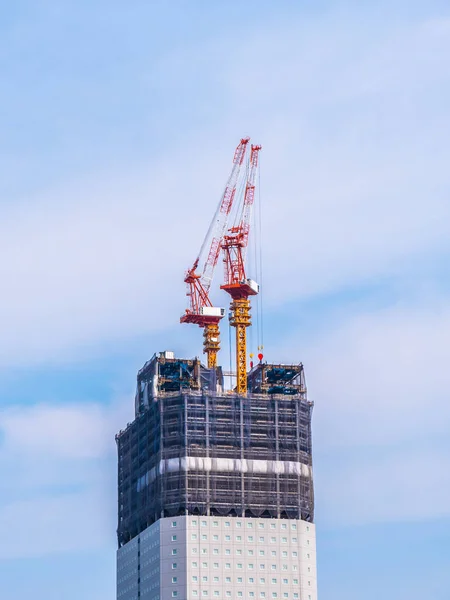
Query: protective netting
x,y
207,453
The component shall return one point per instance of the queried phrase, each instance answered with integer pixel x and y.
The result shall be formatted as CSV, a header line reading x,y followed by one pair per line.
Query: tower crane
x,y
237,284
199,277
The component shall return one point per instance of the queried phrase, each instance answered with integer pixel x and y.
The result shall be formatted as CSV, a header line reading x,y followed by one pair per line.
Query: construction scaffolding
x,y
195,450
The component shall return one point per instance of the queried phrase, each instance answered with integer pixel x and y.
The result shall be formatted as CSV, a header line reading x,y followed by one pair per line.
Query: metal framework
x,y
201,310
195,450
236,283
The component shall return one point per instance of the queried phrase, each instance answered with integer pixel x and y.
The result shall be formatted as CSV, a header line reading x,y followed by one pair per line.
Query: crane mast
x,y
201,310
240,288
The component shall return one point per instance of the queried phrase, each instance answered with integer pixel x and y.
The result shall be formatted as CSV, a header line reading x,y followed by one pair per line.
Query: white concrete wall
x,y
194,558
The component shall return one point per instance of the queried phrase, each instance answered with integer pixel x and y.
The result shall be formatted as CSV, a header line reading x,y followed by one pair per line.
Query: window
x,y
215,565
174,538
284,553
238,551
285,581
262,566
215,524
261,552
194,578
272,526
250,538
262,595
239,524
239,594
204,523
174,551
295,554
274,579
285,595
295,581
273,553
216,592
204,537
294,526
273,567
194,593
174,579
174,565
216,551
262,580
274,595
284,540
250,566
273,540
204,578
238,538
283,526
174,594
261,525
307,542
251,580
239,565
194,550
249,524
227,565
228,579
250,552
228,538
309,569
285,567
307,556
194,536
204,565
309,583
251,594
194,565
227,551
294,540
174,523
216,579
227,523
204,551
307,528
239,580
261,539
295,595
194,523
205,593
228,594
294,567
216,538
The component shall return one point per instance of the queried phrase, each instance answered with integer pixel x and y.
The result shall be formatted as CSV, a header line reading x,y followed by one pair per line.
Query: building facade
x,y
215,489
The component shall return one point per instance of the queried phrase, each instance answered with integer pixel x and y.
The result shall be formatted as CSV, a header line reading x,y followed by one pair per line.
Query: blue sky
x,y
118,125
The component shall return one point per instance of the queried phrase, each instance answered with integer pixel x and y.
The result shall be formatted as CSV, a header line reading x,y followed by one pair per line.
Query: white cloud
x,y
58,478
354,175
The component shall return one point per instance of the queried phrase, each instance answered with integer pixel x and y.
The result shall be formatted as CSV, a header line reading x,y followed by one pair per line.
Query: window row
x,y
250,566
238,538
250,580
240,594
239,524
239,552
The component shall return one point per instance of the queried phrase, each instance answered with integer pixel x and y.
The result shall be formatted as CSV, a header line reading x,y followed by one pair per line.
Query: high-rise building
x,y
215,489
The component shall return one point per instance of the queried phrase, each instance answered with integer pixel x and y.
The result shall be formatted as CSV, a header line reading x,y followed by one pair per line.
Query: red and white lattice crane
x,y
199,277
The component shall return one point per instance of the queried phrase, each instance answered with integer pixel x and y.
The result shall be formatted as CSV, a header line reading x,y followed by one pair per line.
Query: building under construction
x,y
215,485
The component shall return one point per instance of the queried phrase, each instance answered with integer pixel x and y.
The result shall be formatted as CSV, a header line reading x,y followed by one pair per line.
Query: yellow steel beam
x,y
240,319
211,343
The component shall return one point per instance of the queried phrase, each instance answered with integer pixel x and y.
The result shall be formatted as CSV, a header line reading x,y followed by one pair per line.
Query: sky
x,y
118,123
